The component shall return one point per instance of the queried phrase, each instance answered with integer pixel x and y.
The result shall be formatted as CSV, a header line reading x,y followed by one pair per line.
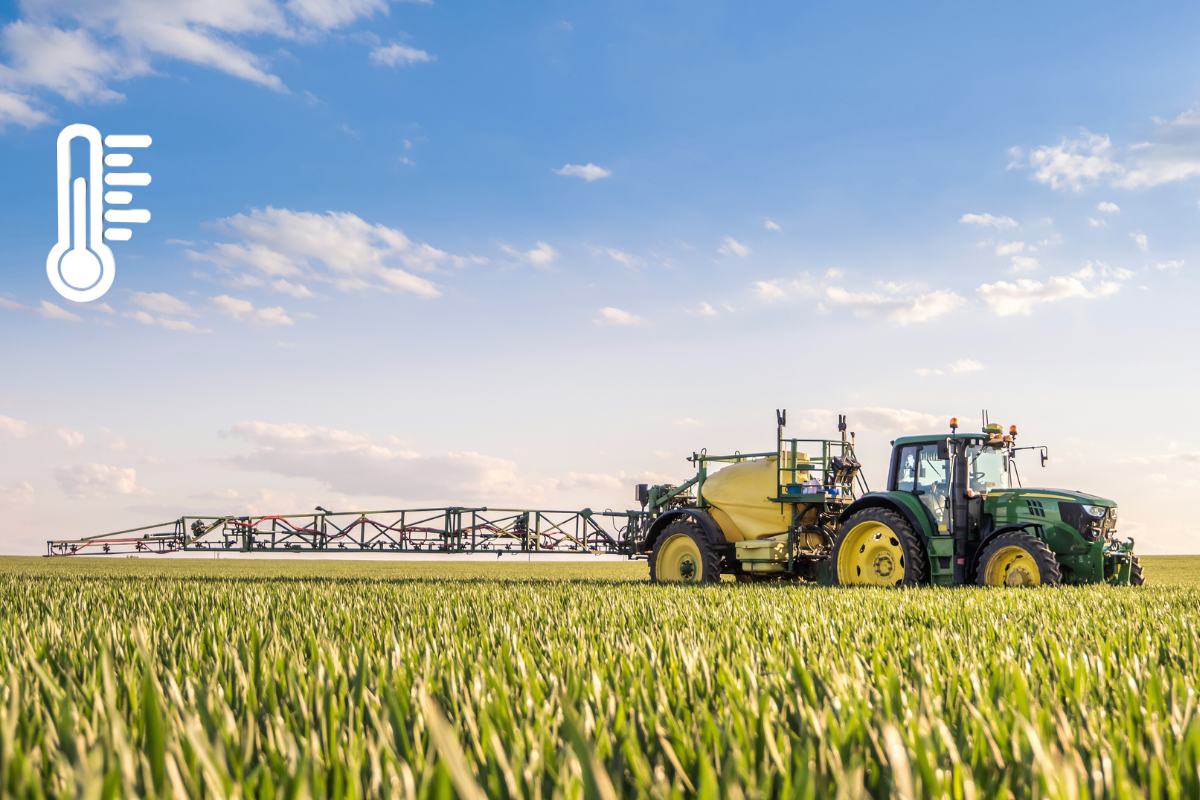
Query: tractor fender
x,y
698,516
921,527
1031,527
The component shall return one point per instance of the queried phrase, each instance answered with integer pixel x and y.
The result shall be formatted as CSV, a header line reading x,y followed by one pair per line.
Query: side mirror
x,y
943,450
1045,457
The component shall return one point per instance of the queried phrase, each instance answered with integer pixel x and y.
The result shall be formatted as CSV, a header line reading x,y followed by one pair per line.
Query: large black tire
x,y
1006,561
877,546
683,554
1136,576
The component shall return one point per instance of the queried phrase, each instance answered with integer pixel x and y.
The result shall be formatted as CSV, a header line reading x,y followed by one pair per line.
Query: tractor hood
x,y
1067,495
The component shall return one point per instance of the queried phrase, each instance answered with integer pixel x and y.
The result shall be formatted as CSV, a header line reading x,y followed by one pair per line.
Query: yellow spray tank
x,y
740,500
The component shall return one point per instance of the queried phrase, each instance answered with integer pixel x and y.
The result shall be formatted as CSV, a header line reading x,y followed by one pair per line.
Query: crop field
x,y
345,679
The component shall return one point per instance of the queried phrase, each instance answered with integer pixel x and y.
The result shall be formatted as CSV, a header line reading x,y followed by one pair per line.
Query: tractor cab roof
x,y
930,438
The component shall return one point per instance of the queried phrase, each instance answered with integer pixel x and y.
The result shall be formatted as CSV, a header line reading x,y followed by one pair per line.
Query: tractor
x,y
954,513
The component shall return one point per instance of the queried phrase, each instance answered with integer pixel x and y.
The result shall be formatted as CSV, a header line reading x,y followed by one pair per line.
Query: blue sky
x,y
529,253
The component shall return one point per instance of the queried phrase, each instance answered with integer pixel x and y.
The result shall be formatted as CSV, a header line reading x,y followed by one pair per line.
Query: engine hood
x,y
1067,495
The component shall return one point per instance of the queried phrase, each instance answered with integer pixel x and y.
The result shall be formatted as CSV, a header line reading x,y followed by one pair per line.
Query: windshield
x,y
988,468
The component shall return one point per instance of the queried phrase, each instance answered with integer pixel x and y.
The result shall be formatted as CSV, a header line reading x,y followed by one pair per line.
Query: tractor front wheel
x,y
1017,559
877,547
683,554
1136,576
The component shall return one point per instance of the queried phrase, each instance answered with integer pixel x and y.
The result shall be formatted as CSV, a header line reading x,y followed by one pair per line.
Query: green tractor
x,y
954,513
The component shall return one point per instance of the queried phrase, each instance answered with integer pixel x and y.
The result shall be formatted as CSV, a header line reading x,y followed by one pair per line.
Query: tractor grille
x,y
1036,509
1091,527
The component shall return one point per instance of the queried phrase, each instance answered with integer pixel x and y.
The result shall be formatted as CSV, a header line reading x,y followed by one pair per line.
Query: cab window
x,y
906,469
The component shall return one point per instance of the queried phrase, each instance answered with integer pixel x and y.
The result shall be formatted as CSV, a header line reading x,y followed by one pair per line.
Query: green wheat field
x,y
345,679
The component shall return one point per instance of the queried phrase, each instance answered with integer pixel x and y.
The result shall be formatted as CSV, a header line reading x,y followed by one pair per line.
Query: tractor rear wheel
x,y
1136,576
683,554
877,547
1017,558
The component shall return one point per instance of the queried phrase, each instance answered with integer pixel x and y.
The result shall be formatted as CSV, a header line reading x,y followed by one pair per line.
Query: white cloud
x,y
1022,296
399,55
48,310
19,494
772,225
287,251
615,316
77,48
541,255
1169,266
705,310
1010,248
9,304
898,303
1024,263
1141,240
1096,223
1107,207
732,247
15,428
588,172
775,290
178,325
362,465
965,365
1074,163
98,480
70,438
162,303
988,221
621,257
1170,154
17,109
244,310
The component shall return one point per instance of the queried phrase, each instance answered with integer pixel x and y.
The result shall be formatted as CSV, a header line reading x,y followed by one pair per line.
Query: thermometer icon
x,y
80,266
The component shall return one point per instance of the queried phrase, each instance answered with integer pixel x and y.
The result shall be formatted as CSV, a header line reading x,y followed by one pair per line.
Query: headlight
x,y
1095,511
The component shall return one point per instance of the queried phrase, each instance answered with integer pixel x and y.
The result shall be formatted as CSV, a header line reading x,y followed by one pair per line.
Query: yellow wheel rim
x,y
1012,566
871,554
679,560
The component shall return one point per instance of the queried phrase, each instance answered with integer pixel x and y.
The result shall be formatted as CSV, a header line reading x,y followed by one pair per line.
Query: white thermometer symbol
x,y
80,266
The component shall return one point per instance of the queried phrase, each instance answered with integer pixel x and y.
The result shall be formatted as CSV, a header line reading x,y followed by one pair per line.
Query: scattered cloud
x,y
1024,263
98,480
1096,223
588,172
1169,266
1141,240
1022,296
17,109
288,251
399,55
959,367
899,303
360,465
988,221
876,419
47,310
1107,207
772,225
732,247
1010,248
621,257
244,310
162,303
18,429
617,317
705,309
70,438
1170,154
178,325
541,255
